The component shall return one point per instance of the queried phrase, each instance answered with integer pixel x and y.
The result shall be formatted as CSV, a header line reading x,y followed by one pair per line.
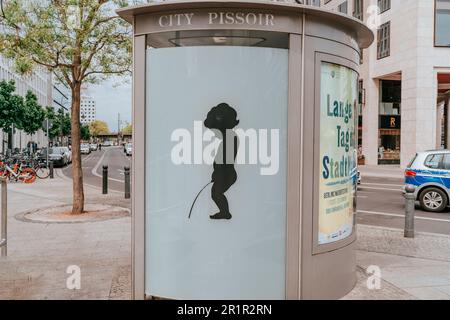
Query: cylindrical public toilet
x,y
244,166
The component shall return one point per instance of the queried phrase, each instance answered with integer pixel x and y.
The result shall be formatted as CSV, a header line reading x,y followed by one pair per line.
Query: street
x,y
381,203
113,157
380,199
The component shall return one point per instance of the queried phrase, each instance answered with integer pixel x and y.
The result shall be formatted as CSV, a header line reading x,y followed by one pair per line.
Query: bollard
x,y
105,179
4,217
52,176
127,182
410,203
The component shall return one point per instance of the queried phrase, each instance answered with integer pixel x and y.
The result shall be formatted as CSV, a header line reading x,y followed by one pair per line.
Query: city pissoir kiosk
x,y
259,85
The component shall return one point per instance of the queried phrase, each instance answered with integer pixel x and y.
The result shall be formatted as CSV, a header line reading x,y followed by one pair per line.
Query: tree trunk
x,y
77,173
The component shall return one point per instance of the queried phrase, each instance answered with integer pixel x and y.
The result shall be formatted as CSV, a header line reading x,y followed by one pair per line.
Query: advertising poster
x,y
338,160
216,229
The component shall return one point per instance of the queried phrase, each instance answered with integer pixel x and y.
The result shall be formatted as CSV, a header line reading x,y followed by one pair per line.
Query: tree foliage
x,y
24,114
79,40
98,127
32,116
11,105
85,134
128,130
61,123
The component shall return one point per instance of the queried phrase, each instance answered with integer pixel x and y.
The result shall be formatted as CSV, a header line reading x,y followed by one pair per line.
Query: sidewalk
x,y
382,171
40,253
410,268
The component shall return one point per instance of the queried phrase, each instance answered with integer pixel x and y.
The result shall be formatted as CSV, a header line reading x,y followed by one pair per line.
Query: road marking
x,y
382,184
381,189
401,216
61,174
94,170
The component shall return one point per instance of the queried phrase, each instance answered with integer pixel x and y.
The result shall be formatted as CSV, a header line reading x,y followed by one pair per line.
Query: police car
x,y
429,172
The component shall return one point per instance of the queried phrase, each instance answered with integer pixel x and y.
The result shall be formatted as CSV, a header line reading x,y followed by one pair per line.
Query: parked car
x,y
59,155
85,148
68,153
129,149
94,147
429,172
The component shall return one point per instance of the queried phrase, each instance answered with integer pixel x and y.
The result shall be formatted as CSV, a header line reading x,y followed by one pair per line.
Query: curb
x,y
417,233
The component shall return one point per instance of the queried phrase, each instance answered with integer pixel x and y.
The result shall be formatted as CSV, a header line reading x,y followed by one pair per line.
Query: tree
x,y
51,116
128,130
85,134
78,40
61,123
30,120
11,107
98,127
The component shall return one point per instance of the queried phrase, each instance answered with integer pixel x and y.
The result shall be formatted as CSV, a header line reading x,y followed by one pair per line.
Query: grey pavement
x,y
40,254
382,171
416,268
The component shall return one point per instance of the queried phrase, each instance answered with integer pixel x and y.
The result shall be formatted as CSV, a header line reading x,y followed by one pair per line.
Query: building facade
x,y
61,97
40,83
88,109
405,77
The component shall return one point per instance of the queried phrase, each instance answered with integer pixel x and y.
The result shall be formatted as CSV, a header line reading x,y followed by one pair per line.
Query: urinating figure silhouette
x,y
222,119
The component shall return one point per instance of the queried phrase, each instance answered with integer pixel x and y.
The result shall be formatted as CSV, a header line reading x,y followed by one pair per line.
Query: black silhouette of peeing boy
x,y
222,119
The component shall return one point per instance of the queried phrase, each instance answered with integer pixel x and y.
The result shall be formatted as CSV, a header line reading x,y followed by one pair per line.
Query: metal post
x,y
105,179
52,176
48,143
410,202
127,182
4,218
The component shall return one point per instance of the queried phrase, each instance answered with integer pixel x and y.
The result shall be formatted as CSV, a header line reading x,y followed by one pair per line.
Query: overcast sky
x,y
112,97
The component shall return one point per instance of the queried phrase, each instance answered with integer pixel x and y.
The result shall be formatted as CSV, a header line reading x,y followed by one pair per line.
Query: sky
x,y
112,97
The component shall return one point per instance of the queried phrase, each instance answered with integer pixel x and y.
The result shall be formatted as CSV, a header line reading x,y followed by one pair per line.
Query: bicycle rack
x,y
4,217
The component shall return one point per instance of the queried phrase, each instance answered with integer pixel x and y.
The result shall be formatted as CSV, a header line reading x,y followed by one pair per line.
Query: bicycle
x,y
40,167
18,172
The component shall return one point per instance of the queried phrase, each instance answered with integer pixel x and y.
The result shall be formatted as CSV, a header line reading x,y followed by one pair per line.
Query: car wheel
x,y
433,200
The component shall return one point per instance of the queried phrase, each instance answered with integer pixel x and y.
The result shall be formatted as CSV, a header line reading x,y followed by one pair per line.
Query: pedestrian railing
x,y
4,217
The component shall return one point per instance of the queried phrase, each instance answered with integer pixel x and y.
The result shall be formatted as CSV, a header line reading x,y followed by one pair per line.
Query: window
x,y
389,123
442,23
384,5
446,163
343,7
434,161
358,9
315,3
384,41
